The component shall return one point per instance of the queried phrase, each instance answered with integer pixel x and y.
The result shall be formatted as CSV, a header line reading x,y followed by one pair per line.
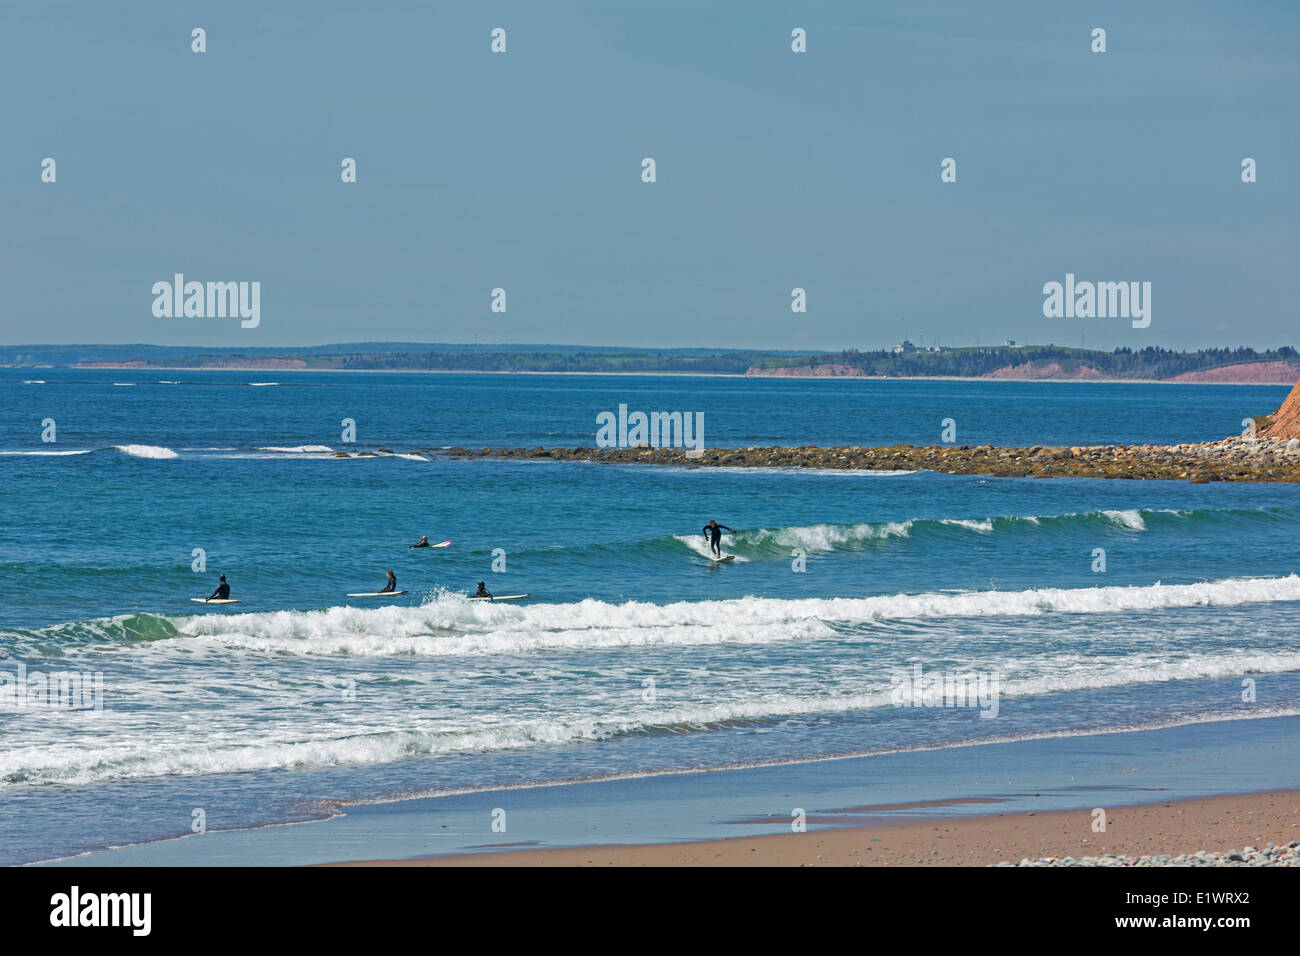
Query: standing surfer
x,y
713,531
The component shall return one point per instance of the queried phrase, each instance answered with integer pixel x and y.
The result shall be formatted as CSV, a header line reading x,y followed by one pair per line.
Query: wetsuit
x,y
390,586
222,592
483,592
422,543
715,536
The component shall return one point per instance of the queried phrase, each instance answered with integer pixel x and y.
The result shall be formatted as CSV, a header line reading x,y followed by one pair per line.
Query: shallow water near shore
x,y
635,655
1112,771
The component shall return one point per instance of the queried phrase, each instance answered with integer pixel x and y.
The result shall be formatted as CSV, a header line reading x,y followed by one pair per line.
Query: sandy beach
x,y
1217,824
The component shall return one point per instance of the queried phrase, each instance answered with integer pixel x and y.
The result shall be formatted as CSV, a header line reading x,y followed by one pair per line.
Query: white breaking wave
x,y
1130,518
146,451
54,453
775,470
983,527
262,384
827,537
281,746
700,545
454,626
297,449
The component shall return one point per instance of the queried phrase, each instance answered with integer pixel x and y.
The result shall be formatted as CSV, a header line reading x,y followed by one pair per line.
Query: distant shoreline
x,y
818,378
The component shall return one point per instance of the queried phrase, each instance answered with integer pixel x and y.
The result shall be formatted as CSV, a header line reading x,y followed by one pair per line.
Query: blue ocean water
x,y
635,654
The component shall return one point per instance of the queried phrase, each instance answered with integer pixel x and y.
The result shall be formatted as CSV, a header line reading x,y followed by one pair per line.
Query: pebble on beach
x,y
1287,854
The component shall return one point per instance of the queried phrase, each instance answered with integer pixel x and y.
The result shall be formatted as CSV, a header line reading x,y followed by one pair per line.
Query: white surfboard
x,y
725,559
502,597
377,594
216,600
441,544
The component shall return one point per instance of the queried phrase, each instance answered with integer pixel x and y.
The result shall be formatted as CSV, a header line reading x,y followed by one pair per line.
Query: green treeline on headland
x,y
632,361
903,361
1151,362
1147,363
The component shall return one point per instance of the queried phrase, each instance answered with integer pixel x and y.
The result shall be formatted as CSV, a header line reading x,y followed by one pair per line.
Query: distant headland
x,y
1280,366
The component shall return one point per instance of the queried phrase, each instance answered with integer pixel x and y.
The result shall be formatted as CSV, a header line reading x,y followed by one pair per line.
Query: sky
x,y
775,170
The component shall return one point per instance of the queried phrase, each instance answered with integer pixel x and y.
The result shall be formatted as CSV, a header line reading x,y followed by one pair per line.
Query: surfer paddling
x,y
391,586
222,592
422,543
713,531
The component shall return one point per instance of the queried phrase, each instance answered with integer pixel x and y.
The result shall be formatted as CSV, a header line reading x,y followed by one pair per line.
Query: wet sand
x,y
1216,824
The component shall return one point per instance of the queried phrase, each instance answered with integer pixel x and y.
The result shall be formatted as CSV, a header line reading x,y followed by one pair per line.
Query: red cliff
x,y
1285,422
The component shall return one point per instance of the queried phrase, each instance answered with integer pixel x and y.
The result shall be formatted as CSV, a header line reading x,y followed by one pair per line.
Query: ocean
x,y
1076,605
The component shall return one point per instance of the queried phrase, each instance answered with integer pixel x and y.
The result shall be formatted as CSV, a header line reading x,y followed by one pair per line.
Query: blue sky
x,y
775,170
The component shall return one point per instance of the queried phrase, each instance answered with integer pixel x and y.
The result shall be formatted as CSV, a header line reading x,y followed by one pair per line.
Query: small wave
x,y
1130,518
296,449
47,453
124,384
34,381
262,384
453,626
381,745
777,470
145,451
983,527
700,545
778,542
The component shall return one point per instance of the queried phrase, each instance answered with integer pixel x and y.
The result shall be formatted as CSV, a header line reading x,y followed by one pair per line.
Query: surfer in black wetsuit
x,y
222,591
713,531
392,583
482,592
423,542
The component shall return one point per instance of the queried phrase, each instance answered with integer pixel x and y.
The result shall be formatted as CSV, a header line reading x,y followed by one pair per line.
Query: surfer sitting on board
x,y
392,583
713,531
222,591
482,591
423,542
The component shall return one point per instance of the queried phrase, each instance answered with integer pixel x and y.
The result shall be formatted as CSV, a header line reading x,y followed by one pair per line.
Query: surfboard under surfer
x,y
713,531
391,585
222,592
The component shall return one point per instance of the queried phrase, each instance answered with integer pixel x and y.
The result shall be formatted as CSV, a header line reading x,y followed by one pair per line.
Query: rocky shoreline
x,y
1232,459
